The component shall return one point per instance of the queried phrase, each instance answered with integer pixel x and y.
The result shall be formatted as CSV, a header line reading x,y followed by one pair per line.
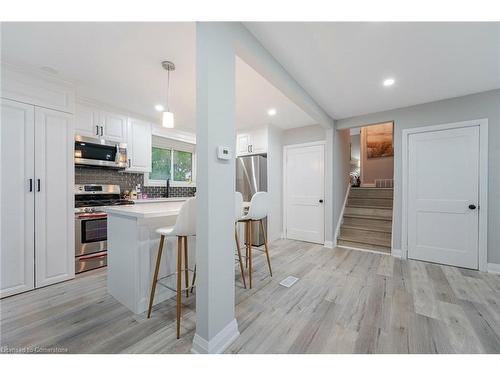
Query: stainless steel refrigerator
x,y
251,177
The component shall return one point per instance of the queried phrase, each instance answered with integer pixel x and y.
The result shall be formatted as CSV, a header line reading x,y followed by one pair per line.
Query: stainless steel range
x,y
91,227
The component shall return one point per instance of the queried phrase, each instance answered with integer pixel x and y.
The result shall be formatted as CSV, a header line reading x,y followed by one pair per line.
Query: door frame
x,y
285,153
483,183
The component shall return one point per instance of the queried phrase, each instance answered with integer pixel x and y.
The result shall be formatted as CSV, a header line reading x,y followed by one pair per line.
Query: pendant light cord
x,y
168,90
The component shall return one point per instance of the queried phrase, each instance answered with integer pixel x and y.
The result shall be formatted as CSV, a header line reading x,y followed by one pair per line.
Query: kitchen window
x,y
172,160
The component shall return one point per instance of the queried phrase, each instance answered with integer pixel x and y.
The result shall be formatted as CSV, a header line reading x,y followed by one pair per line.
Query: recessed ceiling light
x,y
159,108
389,82
271,111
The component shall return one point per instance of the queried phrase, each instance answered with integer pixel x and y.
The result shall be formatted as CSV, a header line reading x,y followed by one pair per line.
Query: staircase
x,y
367,220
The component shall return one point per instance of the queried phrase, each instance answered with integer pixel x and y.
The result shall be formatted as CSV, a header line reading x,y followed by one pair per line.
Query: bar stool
x,y
257,211
238,210
185,226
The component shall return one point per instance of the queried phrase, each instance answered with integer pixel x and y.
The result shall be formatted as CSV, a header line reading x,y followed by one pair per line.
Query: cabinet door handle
x,y
31,185
102,133
129,163
38,185
97,130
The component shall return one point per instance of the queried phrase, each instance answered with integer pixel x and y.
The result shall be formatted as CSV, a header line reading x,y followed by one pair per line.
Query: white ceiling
x,y
119,64
342,65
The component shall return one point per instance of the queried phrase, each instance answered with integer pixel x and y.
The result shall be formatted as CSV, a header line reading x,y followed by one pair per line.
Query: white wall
x,y
311,133
341,169
275,182
470,107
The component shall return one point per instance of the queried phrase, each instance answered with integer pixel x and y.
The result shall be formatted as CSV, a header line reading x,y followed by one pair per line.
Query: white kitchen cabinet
x,y
37,230
139,135
114,126
87,121
54,197
17,249
94,123
251,142
243,143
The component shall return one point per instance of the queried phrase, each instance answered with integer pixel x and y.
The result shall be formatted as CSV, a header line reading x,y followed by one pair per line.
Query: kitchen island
x,y
132,248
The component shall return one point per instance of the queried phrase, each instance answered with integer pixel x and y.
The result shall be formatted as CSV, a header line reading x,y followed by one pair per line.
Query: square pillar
x,y
216,326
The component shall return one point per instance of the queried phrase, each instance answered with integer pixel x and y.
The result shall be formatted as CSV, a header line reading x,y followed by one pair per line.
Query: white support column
x,y
216,326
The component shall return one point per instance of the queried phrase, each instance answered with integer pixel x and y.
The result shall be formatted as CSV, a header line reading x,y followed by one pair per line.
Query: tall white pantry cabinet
x,y
37,201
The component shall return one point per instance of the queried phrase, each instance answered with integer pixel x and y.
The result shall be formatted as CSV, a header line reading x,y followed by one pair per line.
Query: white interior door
x,y
443,196
17,198
304,193
54,197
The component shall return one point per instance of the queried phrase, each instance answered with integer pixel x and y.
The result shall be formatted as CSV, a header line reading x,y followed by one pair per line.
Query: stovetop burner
x,y
88,197
105,202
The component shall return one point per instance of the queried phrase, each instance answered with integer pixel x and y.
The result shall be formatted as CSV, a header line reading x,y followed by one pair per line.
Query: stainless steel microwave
x,y
104,154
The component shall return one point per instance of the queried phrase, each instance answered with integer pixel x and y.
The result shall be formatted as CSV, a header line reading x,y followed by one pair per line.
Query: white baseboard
x,y
218,343
494,268
397,253
328,244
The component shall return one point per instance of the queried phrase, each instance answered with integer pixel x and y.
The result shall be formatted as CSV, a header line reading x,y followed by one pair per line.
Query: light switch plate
x,y
224,153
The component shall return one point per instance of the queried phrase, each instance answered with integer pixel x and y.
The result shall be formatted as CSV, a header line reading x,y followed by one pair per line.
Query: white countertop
x,y
157,200
144,211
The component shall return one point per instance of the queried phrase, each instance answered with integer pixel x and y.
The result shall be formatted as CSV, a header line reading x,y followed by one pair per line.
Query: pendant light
x,y
167,116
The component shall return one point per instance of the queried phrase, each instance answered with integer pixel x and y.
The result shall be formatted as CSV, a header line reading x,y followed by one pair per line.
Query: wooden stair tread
x,y
369,207
377,242
370,229
369,188
371,217
364,246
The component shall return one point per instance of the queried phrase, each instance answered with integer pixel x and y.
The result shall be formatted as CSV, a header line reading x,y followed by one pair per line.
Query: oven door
x,y
91,233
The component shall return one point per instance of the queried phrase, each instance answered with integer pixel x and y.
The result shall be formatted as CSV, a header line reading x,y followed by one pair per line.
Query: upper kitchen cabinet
x,y
139,135
87,121
113,127
94,123
251,142
26,86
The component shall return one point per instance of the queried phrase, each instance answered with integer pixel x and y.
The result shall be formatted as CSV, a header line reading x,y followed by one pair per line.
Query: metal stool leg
x,y
194,279
155,277
179,270
250,252
186,266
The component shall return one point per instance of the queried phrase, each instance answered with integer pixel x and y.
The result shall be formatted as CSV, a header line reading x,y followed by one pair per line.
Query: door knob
x,y
321,201
472,206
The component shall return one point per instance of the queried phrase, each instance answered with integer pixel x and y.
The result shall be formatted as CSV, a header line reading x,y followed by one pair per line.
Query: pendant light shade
x,y
167,120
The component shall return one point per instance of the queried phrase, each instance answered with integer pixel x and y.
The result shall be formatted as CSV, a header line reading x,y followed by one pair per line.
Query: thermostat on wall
x,y
223,153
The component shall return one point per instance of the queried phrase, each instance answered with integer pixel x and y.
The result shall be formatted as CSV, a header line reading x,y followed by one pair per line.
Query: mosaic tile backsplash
x,y
127,181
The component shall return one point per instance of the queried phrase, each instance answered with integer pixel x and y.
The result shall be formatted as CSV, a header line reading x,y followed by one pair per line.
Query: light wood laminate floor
x,y
345,302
